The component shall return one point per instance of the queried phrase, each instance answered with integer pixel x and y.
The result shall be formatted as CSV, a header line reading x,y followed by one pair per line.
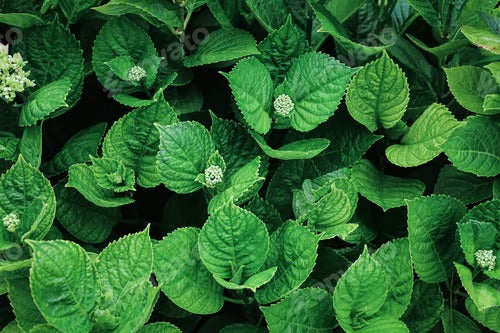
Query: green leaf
x,y
121,37
425,9
252,88
293,250
298,150
482,38
431,221
280,48
44,102
491,104
426,307
456,322
378,94
185,149
31,145
121,66
53,54
475,235
63,284
21,20
9,146
483,295
134,140
466,187
475,147
155,12
232,238
82,219
252,283
81,177
488,317
384,324
305,310
159,327
488,211
360,292
184,278
25,310
385,191
76,150
342,231
222,45
113,175
423,140
394,258
270,14
470,85
22,189
315,83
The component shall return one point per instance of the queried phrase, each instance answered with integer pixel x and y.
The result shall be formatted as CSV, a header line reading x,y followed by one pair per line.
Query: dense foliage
x,y
244,166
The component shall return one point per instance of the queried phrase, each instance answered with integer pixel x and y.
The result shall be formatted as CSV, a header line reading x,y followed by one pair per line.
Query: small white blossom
x,y
13,78
485,259
136,74
213,175
11,222
283,105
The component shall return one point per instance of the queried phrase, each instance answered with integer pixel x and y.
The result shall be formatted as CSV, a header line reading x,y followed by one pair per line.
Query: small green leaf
x,y
159,327
483,295
21,20
488,317
378,94
252,283
113,175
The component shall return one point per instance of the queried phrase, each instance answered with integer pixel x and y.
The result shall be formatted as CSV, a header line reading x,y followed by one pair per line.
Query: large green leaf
x,y
159,327
185,149
488,317
483,295
431,221
27,313
426,307
223,45
385,191
76,150
423,140
305,310
378,94
27,193
483,38
252,88
315,83
475,147
64,285
360,292
184,278
233,238
293,250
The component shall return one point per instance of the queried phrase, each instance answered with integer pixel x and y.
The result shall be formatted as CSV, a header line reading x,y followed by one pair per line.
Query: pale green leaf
x,y
21,20
25,310
252,283
159,327
488,317
482,38
483,295
113,175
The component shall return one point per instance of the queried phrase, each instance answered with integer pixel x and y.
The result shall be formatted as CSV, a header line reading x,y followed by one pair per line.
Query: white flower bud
x,y
485,259
136,74
283,105
213,175
11,222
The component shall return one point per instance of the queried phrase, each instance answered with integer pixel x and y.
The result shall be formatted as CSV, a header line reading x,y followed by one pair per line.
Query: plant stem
x,y
233,300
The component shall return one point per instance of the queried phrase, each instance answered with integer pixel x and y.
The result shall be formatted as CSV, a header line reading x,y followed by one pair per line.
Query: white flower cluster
x,y
485,259
213,175
11,222
13,78
136,74
283,105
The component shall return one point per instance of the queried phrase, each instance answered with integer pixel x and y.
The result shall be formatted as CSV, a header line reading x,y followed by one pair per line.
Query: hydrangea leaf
x,y
426,307
265,211
483,295
82,219
475,147
488,317
121,37
475,235
31,145
305,310
232,238
394,258
491,104
23,306
121,66
378,94
467,187
53,54
342,231
360,292
134,140
44,102
385,191
488,211
21,20
454,321
469,85
252,283
184,278
63,271
293,250
185,149
81,177
113,175
77,149
222,45
298,150
271,15
252,88
239,183
243,328
315,83
22,190
483,38
431,221
9,146
423,140
159,327
384,324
